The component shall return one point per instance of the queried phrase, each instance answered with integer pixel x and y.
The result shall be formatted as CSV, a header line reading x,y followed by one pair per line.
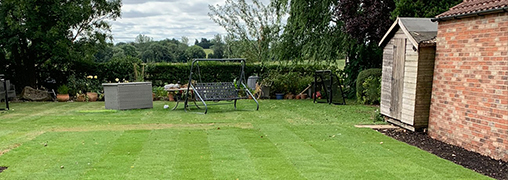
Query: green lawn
x,y
286,139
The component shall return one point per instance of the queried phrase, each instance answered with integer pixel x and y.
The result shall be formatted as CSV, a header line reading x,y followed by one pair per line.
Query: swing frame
x,y
217,91
4,84
324,82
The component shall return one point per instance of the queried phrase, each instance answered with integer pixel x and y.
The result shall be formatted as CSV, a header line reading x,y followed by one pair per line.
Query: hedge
x,y
162,73
374,73
132,69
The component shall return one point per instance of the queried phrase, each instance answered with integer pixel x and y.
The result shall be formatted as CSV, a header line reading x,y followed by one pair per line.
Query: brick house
x,y
469,104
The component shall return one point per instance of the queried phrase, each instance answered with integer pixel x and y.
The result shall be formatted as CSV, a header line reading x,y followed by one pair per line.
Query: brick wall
x,y
469,105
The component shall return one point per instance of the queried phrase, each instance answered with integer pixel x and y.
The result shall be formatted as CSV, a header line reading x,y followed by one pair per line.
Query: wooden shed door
x,y
399,56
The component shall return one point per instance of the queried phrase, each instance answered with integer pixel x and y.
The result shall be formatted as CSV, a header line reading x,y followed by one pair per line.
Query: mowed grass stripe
x,y
158,157
284,140
87,151
119,160
338,157
43,157
307,160
230,160
41,110
269,162
193,156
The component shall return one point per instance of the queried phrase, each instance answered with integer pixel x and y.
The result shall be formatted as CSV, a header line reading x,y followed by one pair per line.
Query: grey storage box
x,y
122,96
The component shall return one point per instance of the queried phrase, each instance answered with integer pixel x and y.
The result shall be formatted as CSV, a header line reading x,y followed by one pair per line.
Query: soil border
x,y
479,163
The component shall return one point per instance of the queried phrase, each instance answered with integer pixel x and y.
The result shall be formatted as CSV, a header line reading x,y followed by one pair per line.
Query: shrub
x,y
371,90
159,92
377,116
360,87
121,68
304,82
63,89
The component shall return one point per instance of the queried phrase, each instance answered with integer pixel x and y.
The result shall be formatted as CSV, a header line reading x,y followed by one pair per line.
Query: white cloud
x,y
161,19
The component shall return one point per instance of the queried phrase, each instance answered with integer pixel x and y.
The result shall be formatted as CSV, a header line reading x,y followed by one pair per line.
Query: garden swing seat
x,y
218,91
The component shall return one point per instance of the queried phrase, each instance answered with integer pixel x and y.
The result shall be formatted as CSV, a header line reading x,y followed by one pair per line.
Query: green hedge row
x,y
280,77
162,73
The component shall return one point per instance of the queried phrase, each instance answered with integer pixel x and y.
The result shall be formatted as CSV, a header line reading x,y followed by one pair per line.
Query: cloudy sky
x,y
161,19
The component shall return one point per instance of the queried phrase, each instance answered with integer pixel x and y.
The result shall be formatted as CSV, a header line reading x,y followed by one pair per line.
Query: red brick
x,y
469,105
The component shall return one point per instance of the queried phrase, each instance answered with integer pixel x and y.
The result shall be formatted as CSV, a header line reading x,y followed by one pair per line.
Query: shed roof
x,y
418,30
474,6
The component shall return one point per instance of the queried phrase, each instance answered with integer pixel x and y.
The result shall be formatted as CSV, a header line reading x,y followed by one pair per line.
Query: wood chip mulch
x,y
482,164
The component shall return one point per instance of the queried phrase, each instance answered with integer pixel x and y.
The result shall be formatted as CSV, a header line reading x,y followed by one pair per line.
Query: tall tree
x,y
365,22
157,52
53,33
185,40
204,43
254,25
422,8
218,47
195,52
312,32
141,38
129,50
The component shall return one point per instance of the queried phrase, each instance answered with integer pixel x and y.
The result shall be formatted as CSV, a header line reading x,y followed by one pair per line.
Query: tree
x,y
156,52
365,21
255,26
421,8
218,47
195,52
141,38
184,40
311,33
54,33
204,43
129,50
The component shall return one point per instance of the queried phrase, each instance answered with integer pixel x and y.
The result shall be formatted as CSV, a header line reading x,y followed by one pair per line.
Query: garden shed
x,y
408,63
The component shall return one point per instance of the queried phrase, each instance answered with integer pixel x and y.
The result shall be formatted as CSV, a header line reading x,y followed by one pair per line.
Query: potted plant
x,y
63,93
80,97
291,81
92,88
92,96
275,80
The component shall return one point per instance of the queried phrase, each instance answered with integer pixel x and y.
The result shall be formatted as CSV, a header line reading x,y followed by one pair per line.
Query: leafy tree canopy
x,y
365,20
204,43
218,47
195,52
422,8
252,25
311,33
54,33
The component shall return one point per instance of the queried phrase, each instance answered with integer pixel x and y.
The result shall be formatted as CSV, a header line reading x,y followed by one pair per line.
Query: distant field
x,y
208,51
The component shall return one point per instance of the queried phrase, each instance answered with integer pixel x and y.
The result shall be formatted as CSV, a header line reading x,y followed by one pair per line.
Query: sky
x,y
161,19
